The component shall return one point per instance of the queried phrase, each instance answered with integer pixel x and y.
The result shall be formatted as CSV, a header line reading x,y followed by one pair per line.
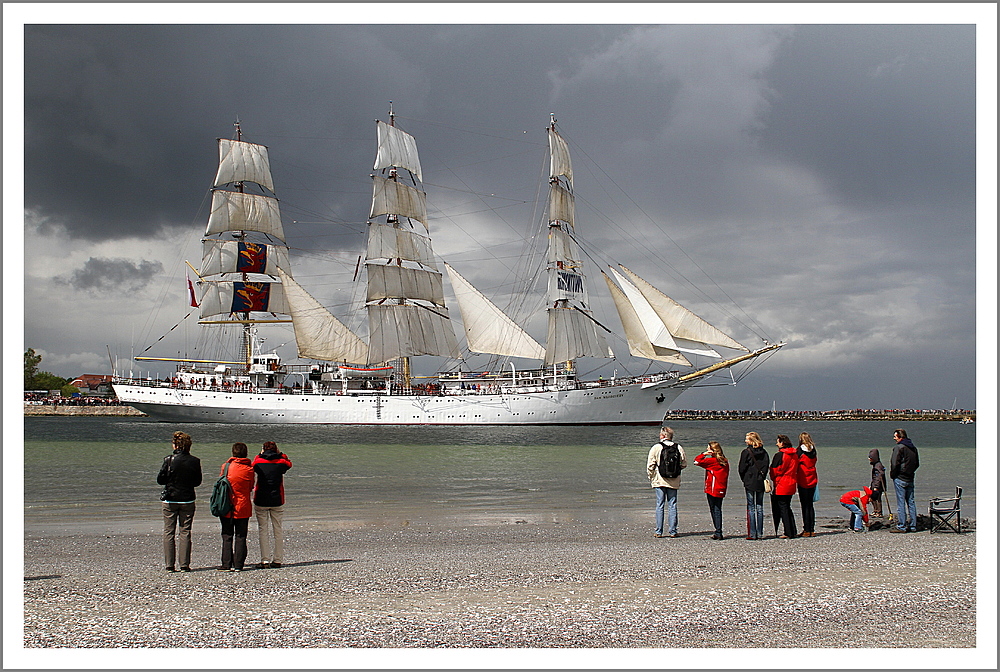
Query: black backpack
x,y
221,502
670,460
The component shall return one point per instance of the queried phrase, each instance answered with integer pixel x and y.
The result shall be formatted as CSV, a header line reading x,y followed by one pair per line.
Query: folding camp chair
x,y
947,512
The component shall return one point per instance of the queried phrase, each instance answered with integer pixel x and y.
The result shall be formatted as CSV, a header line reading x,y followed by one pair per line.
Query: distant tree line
x,y
43,380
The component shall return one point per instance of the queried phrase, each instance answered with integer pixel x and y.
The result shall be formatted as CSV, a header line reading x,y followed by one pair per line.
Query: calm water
x,y
99,474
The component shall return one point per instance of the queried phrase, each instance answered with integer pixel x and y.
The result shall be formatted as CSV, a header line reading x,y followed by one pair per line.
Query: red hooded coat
x,y
241,479
785,475
716,474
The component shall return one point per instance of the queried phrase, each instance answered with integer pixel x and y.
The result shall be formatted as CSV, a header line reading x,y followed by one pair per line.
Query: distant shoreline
x,y
757,416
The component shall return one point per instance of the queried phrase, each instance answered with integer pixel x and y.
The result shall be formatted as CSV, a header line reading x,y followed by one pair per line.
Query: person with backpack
x,y
269,502
902,467
753,472
179,475
663,466
238,470
716,467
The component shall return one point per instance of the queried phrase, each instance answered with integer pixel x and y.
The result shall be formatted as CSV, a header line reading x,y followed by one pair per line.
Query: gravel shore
x,y
515,585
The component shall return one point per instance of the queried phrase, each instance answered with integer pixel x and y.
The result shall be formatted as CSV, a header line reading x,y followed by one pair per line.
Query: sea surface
x,y
98,474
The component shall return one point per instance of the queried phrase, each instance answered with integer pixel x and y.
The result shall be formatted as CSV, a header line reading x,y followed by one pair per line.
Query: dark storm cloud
x,y
112,274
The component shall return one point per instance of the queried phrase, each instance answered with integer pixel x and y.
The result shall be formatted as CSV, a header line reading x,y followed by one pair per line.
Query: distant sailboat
x,y
246,280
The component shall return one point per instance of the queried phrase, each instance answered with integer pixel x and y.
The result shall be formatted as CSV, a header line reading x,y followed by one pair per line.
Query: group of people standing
x,y
257,487
791,470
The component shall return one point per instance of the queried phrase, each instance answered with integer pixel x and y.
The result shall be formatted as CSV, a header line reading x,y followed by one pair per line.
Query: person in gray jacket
x,y
665,486
878,482
179,475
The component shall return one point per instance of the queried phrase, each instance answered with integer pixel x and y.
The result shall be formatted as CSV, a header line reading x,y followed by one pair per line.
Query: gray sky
x,y
808,183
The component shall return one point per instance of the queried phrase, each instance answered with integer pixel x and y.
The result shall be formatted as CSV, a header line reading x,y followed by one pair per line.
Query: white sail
x,y
388,242
559,161
407,330
573,334
225,256
234,211
681,322
243,162
639,343
223,298
318,334
396,148
392,197
400,282
562,247
561,204
487,328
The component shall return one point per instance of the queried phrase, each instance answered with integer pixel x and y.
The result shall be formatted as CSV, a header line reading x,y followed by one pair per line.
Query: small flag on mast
x,y
191,298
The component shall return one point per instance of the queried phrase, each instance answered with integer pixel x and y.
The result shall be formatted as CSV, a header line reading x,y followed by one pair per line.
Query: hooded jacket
x,y
807,476
905,461
179,475
878,471
716,474
753,468
785,470
270,467
240,477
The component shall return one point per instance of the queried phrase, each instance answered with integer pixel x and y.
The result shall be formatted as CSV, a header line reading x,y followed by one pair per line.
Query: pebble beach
x,y
510,586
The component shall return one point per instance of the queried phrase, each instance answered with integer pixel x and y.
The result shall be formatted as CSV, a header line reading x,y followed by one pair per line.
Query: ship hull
x,y
632,404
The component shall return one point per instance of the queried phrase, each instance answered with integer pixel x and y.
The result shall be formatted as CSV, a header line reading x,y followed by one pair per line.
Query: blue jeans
x,y
856,516
715,508
755,514
668,496
906,505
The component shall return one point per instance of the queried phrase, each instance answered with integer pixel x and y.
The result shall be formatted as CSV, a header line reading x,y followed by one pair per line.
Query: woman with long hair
x,y
753,471
808,481
716,467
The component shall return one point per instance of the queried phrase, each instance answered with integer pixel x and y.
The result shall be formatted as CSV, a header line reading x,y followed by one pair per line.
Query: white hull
x,y
609,404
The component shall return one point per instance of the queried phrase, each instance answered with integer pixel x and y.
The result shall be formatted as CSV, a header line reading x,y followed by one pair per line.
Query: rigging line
x,y
190,313
760,329
453,127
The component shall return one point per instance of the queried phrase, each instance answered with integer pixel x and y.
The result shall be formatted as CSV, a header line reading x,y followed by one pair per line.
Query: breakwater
x,y
65,409
908,415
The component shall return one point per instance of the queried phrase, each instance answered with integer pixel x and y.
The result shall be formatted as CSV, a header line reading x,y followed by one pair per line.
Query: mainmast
x,y
405,297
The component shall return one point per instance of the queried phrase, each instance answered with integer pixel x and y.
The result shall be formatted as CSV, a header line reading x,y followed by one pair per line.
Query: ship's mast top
x,y
239,132
392,115
552,120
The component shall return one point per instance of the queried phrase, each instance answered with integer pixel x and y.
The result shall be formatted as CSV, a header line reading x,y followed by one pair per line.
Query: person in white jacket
x,y
665,486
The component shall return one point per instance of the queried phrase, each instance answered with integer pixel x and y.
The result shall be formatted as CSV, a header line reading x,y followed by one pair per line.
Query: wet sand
x,y
513,585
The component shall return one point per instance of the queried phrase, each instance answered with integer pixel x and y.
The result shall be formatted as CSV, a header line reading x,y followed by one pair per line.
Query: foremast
x,y
244,247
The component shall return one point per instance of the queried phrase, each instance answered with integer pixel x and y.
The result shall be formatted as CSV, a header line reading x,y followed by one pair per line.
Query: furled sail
x,y
318,334
639,342
487,328
681,322
396,149
223,298
235,211
232,256
243,162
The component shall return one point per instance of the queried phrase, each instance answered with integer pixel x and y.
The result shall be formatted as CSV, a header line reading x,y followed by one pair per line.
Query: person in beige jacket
x,y
666,488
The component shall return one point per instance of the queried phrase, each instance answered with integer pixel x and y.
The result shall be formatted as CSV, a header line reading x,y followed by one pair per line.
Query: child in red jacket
x,y
856,501
716,479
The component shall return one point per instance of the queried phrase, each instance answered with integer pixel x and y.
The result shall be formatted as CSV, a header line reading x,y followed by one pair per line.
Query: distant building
x,y
93,383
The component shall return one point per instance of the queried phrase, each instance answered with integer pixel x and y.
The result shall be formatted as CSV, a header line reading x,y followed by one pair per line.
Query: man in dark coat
x,y
179,475
902,467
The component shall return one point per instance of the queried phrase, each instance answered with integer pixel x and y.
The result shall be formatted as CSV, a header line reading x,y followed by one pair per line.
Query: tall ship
x,y
246,283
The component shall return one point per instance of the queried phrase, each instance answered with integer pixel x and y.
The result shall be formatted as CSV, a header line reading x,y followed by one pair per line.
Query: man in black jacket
x,y
269,502
902,467
179,475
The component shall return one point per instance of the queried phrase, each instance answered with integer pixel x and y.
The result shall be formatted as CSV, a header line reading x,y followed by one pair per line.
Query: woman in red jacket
x,y
716,479
784,472
235,523
807,481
